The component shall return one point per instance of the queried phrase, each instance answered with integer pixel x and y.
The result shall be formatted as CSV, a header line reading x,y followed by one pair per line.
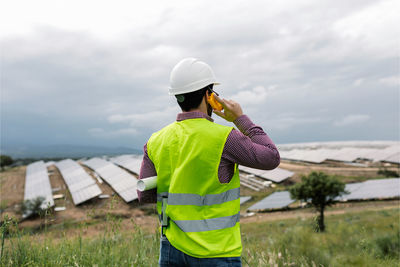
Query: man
x,y
196,162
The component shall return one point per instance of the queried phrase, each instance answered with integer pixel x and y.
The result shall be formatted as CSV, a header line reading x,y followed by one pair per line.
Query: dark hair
x,y
192,100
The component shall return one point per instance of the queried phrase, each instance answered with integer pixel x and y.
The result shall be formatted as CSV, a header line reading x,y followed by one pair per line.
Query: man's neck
x,y
196,110
193,114
201,108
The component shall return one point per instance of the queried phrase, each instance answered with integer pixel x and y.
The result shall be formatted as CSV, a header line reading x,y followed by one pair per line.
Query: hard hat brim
x,y
192,87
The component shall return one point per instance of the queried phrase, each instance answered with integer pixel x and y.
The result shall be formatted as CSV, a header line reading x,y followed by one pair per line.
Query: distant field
x,y
367,238
12,184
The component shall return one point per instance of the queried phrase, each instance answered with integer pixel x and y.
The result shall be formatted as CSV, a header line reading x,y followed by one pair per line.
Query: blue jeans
x,y
170,256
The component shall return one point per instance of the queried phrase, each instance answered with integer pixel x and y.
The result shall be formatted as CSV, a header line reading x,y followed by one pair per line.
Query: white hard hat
x,y
190,75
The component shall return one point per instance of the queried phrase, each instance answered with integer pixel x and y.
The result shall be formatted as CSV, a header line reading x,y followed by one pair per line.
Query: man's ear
x,y
207,95
206,98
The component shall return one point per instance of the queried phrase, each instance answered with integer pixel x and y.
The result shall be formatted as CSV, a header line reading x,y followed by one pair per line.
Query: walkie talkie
x,y
214,103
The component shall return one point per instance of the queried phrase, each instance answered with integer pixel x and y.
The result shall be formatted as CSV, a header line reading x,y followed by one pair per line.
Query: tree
x,y
321,190
5,161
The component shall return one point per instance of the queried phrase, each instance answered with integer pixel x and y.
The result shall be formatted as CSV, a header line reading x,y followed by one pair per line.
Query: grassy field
x,y
358,239
369,238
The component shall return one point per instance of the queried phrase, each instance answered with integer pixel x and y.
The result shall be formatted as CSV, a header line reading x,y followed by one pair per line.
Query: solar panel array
x,y
373,189
244,199
342,151
37,184
120,180
80,184
276,175
276,200
129,162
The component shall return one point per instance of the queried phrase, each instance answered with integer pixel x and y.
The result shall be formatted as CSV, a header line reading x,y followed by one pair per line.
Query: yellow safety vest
x,y
203,213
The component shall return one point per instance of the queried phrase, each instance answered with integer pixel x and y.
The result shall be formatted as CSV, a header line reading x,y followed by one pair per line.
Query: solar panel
x,y
244,199
395,158
338,145
120,180
342,151
349,154
295,154
80,184
276,175
317,155
129,162
277,200
373,189
37,184
383,154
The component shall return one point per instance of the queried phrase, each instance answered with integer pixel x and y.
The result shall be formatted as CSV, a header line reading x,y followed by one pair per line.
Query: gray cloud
x,y
299,71
352,119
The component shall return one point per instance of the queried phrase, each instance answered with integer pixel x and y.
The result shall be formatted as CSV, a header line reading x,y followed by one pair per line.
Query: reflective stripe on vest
x,y
161,195
208,224
207,200
197,200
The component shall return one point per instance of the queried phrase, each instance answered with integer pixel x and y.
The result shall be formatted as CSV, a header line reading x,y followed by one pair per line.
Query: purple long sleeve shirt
x,y
249,147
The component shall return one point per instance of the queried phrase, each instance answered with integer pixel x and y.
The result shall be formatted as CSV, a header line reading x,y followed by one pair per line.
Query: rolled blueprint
x,y
147,183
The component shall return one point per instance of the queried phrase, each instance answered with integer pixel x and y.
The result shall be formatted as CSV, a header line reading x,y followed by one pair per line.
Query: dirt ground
x,y
94,214
12,185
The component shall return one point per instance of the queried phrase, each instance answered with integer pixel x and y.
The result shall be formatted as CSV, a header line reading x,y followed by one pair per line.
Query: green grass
x,y
359,239
112,248
369,238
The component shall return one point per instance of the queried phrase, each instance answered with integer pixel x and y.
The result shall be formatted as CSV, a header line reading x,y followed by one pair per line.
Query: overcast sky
x,y
97,72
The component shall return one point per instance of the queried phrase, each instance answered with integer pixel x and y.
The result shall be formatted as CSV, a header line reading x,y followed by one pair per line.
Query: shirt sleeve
x,y
250,146
147,169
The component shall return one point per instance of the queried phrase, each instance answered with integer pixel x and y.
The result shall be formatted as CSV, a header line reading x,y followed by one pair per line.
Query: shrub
x,y
5,161
32,207
388,173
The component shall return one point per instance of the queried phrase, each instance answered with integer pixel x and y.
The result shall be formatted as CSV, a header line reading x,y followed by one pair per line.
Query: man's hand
x,y
232,109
